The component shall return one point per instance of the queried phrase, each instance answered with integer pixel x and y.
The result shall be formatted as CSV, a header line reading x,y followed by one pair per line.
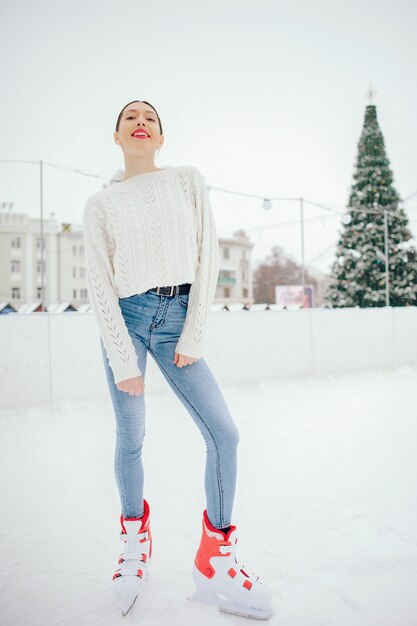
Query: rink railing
x,y
48,357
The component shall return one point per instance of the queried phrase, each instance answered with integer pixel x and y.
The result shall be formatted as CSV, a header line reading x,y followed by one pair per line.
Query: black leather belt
x,y
174,290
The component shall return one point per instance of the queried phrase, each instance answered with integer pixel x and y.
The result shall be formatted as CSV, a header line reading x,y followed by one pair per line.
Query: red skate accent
x,y
243,572
209,546
117,573
247,584
216,530
145,525
232,572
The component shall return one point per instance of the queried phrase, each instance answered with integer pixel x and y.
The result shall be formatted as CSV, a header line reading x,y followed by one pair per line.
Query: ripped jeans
x,y
155,323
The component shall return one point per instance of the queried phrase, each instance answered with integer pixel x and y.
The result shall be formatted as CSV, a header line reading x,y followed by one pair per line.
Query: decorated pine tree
x,y
358,276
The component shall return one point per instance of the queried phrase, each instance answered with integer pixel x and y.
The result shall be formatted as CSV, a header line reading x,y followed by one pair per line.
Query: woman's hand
x,y
133,386
181,359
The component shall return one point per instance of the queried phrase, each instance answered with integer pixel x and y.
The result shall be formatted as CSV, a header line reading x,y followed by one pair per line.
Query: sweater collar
x,y
137,177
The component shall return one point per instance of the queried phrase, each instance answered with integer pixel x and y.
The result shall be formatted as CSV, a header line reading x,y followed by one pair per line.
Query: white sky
x,y
264,98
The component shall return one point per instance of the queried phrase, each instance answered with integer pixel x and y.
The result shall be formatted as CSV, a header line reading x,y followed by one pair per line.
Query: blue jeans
x,y
154,323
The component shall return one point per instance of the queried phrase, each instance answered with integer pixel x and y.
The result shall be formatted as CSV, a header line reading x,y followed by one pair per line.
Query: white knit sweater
x,y
152,230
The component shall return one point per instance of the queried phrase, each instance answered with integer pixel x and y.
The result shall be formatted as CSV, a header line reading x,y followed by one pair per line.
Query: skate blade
x,y
233,609
125,610
127,589
261,616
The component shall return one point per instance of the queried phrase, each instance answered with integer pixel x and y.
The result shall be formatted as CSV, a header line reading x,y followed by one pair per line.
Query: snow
x,y
326,505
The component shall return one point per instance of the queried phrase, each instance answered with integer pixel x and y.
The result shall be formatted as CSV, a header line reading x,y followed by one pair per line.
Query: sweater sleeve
x,y
103,294
192,338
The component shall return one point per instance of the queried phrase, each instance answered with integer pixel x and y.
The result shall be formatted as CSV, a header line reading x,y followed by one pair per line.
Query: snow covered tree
x,y
358,272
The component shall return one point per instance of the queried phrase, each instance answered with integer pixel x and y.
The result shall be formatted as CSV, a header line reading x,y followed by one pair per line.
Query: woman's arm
x,y
103,296
191,341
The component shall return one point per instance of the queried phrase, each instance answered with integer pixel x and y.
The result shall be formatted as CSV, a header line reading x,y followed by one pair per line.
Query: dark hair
x,y
144,101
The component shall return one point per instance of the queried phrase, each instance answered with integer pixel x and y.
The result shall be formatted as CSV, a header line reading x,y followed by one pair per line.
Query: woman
x,y
152,261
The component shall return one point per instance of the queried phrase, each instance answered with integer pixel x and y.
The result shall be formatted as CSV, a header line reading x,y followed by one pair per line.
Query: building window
x,y
83,294
15,267
245,292
226,253
74,294
15,293
38,243
74,250
226,292
82,272
16,242
39,266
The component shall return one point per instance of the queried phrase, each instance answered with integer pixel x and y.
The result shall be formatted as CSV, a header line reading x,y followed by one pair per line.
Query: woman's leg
x,y
198,390
129,413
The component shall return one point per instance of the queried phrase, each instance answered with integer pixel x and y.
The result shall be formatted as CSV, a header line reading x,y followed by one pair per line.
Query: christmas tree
x,y
358,275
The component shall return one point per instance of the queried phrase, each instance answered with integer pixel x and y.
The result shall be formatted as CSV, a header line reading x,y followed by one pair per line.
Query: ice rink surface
x,y
325,506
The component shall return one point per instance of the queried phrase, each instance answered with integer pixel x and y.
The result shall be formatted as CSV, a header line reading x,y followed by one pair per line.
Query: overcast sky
x,y
265,98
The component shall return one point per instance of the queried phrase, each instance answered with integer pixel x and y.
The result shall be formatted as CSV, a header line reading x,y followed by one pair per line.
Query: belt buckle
x,y
172,289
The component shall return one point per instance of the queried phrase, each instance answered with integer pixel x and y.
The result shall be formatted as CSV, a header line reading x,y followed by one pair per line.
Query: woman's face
x,y
136,117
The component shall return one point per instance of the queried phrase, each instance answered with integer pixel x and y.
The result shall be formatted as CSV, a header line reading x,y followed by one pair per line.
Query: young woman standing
x,y
152,262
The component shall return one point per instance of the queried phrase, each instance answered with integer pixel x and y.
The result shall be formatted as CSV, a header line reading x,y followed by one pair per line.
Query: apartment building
x,y
22,262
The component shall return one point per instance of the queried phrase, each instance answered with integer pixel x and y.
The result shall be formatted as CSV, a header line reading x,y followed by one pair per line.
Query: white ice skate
x,y
129,579
222,580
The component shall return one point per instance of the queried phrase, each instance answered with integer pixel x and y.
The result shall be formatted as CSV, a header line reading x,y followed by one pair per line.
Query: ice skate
x,y
129,579
222,580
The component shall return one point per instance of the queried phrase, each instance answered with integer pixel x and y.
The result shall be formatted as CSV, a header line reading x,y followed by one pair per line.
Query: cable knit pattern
x,y
153,229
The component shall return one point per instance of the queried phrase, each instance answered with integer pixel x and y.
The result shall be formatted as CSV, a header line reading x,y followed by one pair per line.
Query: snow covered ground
x,y
326,505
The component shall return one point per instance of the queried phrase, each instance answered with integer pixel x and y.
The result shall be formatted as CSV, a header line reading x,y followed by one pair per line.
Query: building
x,y
235,285
63,263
